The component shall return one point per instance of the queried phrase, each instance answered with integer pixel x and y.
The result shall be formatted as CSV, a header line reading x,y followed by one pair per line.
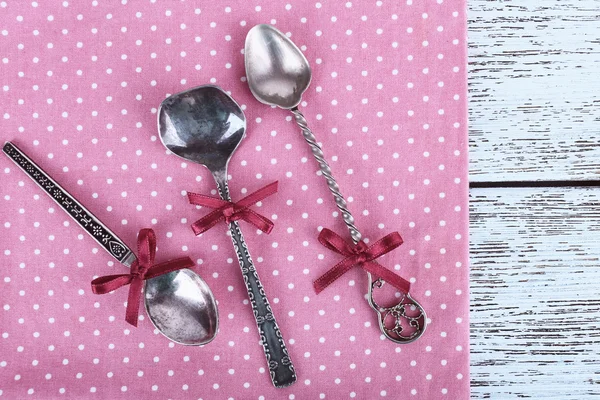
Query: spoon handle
x,y
280,365
92,225
399,314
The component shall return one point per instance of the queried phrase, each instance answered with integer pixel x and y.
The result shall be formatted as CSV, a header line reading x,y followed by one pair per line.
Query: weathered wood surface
x,y
535,268
534,69
535,293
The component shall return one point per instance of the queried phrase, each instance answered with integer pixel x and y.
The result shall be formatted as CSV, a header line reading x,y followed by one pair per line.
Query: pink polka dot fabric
x,y
81,84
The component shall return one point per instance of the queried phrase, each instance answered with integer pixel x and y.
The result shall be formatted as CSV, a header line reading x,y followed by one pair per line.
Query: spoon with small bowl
x,y
205,125
180,304
278,74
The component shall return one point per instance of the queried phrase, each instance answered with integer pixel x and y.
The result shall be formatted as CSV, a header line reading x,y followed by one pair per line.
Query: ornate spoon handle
x,y
280,365
92,225
407,310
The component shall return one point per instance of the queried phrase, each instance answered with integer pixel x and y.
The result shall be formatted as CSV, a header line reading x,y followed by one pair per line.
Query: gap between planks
x,y
535,184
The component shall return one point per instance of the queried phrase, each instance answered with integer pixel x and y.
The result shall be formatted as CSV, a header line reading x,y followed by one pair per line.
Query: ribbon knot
x,y
361,258
359,249
229,212
141,269
360,255
137,275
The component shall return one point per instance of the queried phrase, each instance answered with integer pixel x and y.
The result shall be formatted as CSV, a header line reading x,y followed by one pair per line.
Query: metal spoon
x,y
180,304
278,74
205,125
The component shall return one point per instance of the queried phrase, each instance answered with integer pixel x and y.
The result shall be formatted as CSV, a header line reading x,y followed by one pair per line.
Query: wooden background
x,y
534,73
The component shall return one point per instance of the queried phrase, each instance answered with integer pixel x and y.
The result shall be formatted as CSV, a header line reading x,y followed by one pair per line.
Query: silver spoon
x,y
278,74
205,125
180,304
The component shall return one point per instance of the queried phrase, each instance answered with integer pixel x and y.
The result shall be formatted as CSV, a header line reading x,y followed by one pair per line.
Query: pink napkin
x,y
81,82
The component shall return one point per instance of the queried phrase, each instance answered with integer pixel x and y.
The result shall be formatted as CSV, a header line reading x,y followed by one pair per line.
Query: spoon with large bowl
x,y
180,304
205,125
278,74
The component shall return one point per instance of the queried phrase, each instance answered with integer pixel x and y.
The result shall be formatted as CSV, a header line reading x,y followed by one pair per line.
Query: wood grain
x,y
535,293
534,69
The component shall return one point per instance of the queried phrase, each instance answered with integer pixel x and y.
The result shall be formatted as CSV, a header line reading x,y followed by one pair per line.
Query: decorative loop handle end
x,y
403,322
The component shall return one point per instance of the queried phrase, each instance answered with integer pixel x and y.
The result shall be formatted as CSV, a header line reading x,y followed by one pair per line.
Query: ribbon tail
x,y
205,201
258,195
384,245
334,273
390,277
133,302
146,244
207,222
334,242
106,284
261,222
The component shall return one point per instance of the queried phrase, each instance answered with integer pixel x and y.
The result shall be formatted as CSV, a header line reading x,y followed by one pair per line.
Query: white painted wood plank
x,y
535,293
534,83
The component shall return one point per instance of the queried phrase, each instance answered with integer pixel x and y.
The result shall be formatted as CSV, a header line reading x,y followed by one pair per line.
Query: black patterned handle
x,y
108,240
280,365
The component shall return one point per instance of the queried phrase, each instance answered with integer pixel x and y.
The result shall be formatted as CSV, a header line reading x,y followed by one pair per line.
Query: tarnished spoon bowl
x,y
278,73
182,307
203,125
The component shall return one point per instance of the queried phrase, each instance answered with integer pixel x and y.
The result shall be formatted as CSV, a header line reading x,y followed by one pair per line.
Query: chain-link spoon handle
x,y
407,310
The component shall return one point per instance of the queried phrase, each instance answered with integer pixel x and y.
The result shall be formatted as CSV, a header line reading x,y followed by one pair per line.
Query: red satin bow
x,y
228,211
362,256
143,268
